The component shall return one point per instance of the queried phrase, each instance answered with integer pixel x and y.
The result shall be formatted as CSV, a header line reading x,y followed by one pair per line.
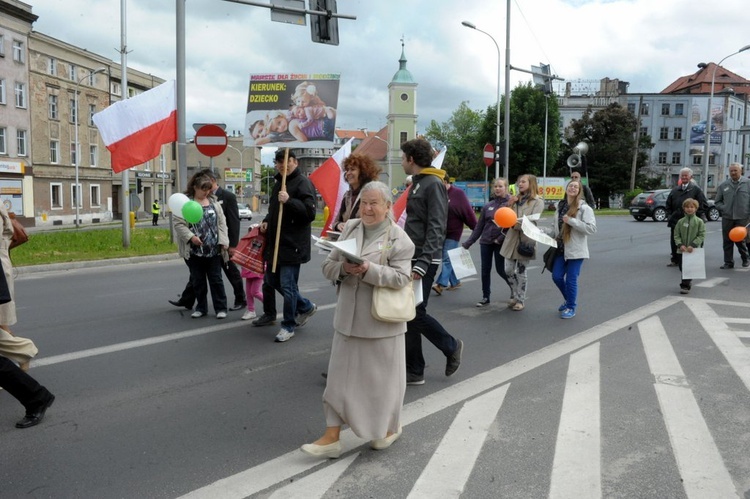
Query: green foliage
x,y
630,195
461,134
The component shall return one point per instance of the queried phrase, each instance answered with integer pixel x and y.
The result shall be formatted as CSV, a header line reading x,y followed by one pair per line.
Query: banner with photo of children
x,y
291,110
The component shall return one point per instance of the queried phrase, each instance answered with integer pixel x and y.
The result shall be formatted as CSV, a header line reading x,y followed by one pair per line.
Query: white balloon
x,y
176,202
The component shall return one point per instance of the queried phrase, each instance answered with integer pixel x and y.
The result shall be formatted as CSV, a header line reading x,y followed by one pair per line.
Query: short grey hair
x,y
736,164
380,187
686,169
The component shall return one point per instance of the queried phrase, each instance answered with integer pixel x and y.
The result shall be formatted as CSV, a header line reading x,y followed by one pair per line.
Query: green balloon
x,y
192,211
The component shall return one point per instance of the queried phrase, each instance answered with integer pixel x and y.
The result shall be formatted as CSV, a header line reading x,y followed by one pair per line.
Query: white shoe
x,y
384,443
284,335
221,315
330,451
197,315
248,315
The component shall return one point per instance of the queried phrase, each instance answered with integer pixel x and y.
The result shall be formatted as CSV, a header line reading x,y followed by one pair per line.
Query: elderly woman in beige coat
x,y
367,369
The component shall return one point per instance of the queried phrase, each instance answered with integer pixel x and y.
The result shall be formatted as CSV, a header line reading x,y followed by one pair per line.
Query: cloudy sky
x,y
648,43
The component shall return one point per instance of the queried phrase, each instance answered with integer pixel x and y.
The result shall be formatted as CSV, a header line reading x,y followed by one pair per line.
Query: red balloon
x,y
505,217
738,234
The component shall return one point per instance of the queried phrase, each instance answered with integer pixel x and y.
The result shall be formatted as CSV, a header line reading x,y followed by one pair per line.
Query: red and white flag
x,y
328,179
135,129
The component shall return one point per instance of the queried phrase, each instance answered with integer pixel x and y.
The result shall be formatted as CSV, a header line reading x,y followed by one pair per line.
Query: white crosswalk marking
x,y
576,471
450,466
701,467
315,485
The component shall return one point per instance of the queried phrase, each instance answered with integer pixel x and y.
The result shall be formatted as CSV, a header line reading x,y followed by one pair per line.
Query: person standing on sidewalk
x,y
686,189
155,209
294,245
460,213
733,202
426,213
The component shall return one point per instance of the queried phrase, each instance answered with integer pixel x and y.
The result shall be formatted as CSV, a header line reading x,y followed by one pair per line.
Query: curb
x,y
52,267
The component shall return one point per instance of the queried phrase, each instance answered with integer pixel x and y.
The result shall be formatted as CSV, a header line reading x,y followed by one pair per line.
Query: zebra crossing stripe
x,y
700,465
317,484
460,447
576,469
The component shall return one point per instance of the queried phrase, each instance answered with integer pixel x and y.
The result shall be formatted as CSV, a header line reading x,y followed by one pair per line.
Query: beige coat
x,y
353,316
508,251
7,310
184,234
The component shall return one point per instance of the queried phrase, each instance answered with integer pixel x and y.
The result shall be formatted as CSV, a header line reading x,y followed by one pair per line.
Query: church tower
x,y
402,116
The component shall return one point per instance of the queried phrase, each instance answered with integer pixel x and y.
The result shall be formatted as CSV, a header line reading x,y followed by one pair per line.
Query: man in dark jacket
x,y
295,205
426,216
228,202
733,202
686,189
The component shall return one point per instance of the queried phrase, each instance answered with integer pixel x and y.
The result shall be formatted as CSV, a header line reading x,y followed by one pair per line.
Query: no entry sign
x,y
211,140
489,155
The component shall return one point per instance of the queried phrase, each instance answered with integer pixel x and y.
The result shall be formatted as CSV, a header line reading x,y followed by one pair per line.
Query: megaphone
x,y
581,148
574,160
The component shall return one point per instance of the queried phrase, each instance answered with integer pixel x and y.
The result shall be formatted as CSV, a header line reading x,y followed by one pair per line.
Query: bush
x,y
630,195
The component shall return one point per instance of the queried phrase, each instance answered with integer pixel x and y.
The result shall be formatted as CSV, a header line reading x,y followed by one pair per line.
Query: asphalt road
x,y
643,394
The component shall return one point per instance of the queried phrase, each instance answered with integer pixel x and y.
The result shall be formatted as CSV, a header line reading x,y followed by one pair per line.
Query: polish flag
x,y
328,179
135,129
400,205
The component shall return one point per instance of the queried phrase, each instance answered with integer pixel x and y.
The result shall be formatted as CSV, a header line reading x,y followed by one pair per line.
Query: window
x,y
631,107
96,195
662,158
731,111
72,70
21,142
115,88
55,196
677,134
664,133
2,91
697,160
91,77
93,154
644,109
3,141
52,66
92,111
644,131
75,196
73,154
665,109
2,46
52,105
403,137
20,95
676,158
18,55
54,151
679,109
73,111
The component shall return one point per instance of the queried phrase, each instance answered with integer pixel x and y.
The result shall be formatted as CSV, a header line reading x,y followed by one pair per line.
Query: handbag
x,y
249,251
526,249
389,304
19,232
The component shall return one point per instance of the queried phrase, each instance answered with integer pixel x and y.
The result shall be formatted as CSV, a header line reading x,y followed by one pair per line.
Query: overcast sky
x,y
648,43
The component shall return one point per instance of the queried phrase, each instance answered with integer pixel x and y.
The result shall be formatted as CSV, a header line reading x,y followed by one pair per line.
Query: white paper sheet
x,y
461,261
418,295
535,233
694,264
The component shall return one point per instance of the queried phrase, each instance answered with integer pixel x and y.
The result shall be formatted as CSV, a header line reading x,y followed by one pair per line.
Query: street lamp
x,y
75,105
497,122
388,160
709,119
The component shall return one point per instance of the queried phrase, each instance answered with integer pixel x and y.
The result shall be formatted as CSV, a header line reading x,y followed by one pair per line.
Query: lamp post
x,y
497,122
387,160
709,119
75,145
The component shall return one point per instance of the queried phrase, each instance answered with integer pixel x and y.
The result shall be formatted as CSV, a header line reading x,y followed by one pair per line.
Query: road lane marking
x,y
576,469
451,464
317,484
711,283
701,467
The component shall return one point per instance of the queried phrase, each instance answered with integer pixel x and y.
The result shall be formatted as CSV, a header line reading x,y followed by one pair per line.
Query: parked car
x,y
653,204
245,212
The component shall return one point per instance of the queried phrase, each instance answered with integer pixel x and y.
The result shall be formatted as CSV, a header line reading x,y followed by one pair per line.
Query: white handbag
x,y
390,304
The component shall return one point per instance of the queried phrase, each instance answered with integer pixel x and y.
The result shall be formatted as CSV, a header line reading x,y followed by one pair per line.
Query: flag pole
x,y
125,201
281,213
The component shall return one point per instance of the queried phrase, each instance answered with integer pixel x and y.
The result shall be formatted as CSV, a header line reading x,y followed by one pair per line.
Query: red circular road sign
x,y
211,140
489,154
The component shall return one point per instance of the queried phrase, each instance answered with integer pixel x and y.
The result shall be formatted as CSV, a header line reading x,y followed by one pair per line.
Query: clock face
x,y
404,97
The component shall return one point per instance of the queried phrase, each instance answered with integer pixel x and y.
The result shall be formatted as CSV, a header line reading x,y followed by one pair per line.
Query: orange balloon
x,y
505,217
738,234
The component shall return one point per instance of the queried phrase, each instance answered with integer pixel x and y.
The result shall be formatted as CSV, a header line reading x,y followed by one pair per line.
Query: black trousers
x,y
235,279
22,386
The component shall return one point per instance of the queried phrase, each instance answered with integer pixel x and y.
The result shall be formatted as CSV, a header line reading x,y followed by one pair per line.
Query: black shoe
x,y
325,375
264,320
454,360
414,379
238,305
483,302
35,417
746,263
727,265
180,303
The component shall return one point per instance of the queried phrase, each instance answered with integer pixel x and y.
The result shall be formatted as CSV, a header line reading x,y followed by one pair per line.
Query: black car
x,y
653,204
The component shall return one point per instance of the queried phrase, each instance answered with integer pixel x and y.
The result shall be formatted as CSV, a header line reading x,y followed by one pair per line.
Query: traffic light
x,y
500,153
138,186
324,29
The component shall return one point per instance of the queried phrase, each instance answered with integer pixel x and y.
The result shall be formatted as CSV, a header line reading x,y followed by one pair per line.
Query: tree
x,y
461,134
610,134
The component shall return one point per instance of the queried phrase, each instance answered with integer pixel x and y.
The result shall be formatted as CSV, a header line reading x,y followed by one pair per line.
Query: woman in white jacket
x,y
574,221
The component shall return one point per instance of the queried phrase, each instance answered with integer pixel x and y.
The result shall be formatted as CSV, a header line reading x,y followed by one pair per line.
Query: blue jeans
x,y
207,268
285,282
424,324
565,275
487,252
447,276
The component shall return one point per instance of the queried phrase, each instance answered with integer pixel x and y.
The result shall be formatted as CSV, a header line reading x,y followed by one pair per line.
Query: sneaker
x,y
264,320
414,379
727,265
562,307
302,319
453,288
437,288
454,360
284,335
483,302
568,313
684,291
197,315
250,314
221,315
672,264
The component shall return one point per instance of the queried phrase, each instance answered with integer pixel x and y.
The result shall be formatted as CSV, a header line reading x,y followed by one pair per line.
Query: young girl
x,y
253,283
689,233
526,203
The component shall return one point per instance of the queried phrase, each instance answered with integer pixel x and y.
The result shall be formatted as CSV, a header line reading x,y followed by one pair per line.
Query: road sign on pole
x,y
211,140
489,155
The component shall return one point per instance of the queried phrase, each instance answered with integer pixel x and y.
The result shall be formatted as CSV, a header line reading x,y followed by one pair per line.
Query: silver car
x,y
245,212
